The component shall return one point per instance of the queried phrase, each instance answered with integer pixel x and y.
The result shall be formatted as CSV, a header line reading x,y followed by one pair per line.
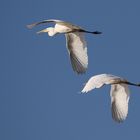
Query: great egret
x,y
75,41
119,93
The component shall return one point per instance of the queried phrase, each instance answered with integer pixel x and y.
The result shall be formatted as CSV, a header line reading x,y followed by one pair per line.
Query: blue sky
x,y
39,94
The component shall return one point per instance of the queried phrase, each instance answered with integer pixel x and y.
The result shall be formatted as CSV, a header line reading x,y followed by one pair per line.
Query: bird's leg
x,y
84,31
133,84
96,32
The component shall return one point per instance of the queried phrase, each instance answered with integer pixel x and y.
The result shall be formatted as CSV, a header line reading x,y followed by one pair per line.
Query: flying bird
x,y
75,41
119,93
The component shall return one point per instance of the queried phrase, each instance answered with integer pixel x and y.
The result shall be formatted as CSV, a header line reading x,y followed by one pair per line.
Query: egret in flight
x,y
75,41
119,93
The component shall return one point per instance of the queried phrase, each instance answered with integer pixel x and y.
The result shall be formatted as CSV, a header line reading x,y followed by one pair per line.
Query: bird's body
x,y
75,41
119,93
62,28
57,29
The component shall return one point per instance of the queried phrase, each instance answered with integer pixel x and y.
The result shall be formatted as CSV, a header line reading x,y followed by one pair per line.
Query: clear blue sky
x,y
39,94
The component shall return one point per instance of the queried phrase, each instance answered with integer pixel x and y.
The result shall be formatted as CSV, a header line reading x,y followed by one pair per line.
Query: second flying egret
x,y
75,41
119,93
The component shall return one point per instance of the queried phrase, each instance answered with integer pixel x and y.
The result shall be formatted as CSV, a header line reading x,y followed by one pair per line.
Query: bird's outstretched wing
x,y
67,24
98,81
43,22
119,101
77,49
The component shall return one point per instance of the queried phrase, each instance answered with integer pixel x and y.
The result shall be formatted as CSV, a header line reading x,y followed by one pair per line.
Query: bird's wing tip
x,y
30,26
79,92
81,72
84,91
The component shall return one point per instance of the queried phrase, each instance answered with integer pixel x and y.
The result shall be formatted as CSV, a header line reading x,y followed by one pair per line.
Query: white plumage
x,y
119,101
77,49
75,41
119,93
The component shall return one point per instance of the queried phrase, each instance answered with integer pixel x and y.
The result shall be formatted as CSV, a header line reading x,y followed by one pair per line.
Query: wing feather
x,y
77,49
119,101
44,22
98,81
60,22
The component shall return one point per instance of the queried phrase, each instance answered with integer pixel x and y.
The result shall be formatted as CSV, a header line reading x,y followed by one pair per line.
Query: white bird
x,y
75,41
119,93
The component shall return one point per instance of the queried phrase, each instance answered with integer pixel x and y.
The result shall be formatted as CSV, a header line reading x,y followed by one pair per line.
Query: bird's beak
x,y
42,31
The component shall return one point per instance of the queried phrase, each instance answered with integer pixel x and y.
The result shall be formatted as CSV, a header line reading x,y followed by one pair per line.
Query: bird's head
x,y
49,30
